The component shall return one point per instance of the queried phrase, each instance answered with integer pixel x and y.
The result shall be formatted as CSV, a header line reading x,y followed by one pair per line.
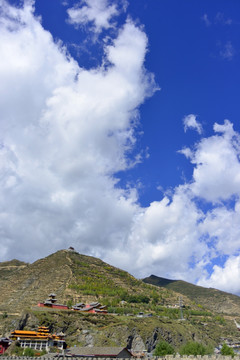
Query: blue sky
x,y
120,134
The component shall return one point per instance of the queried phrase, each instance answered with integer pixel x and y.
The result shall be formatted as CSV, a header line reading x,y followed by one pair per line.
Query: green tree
x,y
193,348
226,350
163,348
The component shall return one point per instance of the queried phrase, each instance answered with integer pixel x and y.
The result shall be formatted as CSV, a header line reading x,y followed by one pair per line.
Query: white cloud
x,y
219,19
65,132
216,177
186,152
222,225
216,174
227,51
97,12
190,122
226,277
206,20
164,238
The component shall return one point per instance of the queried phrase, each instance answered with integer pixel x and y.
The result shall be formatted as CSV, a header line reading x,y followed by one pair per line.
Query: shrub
x,y
163,348
226,350
193,348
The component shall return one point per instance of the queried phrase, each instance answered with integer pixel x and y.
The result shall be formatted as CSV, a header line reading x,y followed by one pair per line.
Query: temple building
x,y
39,340
52,302
93,308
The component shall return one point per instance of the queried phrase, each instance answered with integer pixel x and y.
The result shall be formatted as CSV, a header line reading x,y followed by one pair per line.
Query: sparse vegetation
x,y
220,319
28,352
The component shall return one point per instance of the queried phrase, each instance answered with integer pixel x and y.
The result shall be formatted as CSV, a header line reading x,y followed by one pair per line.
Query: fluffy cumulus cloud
x,y
225,277
216,175
190,122
67,131
98,13
164,233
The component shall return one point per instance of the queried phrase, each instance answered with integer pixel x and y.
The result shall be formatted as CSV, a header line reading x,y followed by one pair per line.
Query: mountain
x,y
78,278
212,299
73,278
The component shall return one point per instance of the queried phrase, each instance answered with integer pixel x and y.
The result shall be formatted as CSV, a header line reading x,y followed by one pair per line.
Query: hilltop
x,y
78,278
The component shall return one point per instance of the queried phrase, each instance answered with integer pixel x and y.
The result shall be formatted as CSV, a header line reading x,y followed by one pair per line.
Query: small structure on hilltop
x,y
4,344
71,249
51,302
39,340
93,308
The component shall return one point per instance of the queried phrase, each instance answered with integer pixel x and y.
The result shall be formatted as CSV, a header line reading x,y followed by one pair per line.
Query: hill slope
x,y
78,278
212,299
74,278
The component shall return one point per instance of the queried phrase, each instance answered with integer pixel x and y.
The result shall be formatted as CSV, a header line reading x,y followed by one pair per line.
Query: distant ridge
x,y
159,281
213,299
